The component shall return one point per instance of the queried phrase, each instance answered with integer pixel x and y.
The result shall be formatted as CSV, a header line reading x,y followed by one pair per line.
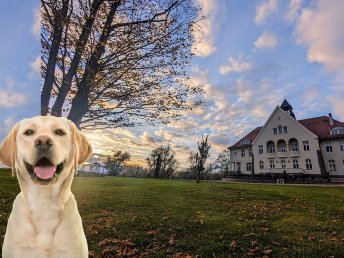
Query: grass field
x,y
151,217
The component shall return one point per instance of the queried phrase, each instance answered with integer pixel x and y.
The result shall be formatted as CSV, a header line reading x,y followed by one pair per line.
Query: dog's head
x,y
44,148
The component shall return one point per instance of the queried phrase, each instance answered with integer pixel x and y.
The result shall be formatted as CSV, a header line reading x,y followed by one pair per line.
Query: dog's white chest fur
x,y
47,229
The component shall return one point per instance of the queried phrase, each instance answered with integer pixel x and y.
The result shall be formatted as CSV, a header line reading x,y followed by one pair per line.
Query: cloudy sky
x,y
19,62
252,56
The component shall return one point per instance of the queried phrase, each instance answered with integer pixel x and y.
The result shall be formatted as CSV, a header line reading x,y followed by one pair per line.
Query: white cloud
x,y
36,64
36,26
266,40
11,99
265,9
205,30
8,124
319,29
293,10
338,106
235,66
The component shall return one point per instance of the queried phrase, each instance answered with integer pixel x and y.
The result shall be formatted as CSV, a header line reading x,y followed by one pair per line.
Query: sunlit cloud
x,y
205,32
293,10
318,30
36,26
265,9
11,99
266,40
235,66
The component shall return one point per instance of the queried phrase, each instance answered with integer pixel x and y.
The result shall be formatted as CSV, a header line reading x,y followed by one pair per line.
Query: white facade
x,y
286,146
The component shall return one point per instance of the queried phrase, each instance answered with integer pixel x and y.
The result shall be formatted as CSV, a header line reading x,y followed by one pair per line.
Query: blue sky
x,y
251,55
19,66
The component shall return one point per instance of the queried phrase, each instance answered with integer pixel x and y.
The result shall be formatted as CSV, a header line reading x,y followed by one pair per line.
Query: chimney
x,y
330,118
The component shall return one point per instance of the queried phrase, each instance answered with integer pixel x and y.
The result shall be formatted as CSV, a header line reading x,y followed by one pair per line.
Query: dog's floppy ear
x,y
8,149
82,147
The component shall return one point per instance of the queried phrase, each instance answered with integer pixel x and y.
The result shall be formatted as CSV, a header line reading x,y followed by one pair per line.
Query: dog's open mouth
x,y
44,170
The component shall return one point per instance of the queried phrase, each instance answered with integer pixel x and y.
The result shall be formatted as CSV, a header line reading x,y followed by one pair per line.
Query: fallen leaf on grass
x,y
172,241
312,238
234,244
267,251
152,232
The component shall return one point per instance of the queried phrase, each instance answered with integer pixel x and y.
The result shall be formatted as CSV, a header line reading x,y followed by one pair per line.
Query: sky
x,y
19,62
249,56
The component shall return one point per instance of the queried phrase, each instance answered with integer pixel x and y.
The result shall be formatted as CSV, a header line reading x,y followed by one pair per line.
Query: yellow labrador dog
x,y
44,152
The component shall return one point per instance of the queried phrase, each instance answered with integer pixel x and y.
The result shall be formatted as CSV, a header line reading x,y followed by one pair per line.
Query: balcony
x,y
271,155
282,154
294,154
282,171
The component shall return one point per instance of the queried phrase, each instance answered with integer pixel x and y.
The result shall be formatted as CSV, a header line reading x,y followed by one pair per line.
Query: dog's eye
x,y
59,132
29,132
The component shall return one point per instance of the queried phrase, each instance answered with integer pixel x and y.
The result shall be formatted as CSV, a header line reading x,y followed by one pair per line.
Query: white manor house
x,y
284,145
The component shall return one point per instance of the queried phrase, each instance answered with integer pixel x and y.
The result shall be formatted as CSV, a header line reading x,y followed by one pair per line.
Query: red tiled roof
x,y
320,126
251,136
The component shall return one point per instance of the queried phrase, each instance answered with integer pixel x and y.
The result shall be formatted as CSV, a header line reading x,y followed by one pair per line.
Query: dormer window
x,y
245,141
337,131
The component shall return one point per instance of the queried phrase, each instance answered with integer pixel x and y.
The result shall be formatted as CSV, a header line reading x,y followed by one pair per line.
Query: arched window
x,y
293,145
295,163
283,163
308,164
332,165
261,164
271,147
281,146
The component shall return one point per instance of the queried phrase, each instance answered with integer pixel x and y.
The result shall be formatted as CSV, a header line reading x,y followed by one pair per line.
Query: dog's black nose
x,y
43,142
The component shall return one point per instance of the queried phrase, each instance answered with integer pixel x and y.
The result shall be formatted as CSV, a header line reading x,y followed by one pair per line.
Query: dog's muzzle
x,y
44,171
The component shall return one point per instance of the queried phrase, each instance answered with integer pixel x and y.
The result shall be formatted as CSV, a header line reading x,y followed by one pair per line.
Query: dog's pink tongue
x,y
45,172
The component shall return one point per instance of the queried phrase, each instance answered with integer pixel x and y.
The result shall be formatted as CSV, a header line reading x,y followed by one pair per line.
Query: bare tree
x,y
114,163
193,157
114,63
162,161
223,162
202,156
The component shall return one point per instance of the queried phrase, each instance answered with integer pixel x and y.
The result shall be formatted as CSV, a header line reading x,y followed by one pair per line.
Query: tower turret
x,y
288,108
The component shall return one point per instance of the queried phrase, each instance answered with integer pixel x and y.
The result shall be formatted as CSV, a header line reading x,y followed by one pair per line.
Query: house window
x,y
295,163
329,147
308,164
261,164
250,153
242,153
249,166
306,145
332,165
283,163
295,146
283,148
272,164
342,146
271,147
275,131
285,129
279,129
260,149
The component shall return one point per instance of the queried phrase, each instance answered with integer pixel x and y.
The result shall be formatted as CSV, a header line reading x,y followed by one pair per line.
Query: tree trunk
x,y
52,59
80,47
79,107
80,102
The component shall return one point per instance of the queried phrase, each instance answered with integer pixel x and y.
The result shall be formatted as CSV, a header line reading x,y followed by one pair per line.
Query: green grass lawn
x,y
151,217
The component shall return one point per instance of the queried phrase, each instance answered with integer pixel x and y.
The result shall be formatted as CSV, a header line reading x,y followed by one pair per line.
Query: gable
x,y
280,119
